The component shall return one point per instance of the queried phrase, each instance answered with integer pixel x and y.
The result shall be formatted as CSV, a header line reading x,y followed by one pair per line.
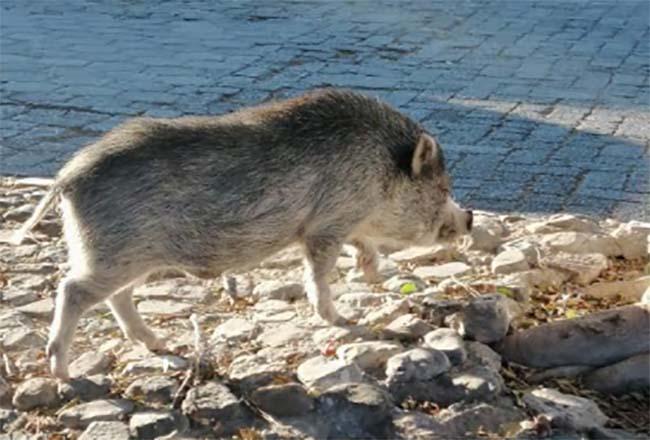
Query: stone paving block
x,y
596,179
501,204
620,150
527,156
553,184
540,203
639,179
501,190
627,209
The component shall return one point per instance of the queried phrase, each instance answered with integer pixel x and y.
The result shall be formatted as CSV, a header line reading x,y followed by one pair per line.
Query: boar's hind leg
x,y
130,321
320,258
367,260
75,295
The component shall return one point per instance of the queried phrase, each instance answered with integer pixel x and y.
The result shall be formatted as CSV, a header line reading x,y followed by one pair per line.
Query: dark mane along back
x,y
339,114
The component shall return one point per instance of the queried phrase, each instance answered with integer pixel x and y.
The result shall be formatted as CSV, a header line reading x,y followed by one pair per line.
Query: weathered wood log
x,y
598,339
560,372
632,374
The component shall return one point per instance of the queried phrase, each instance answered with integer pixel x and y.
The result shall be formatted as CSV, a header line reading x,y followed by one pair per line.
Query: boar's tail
x,y
41,209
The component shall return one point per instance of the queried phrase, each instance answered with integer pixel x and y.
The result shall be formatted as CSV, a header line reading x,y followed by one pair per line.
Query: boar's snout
x,y
470,219
456,222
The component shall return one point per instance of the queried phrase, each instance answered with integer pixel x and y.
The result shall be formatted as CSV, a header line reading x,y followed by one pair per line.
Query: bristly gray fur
x,y
210,194
194,189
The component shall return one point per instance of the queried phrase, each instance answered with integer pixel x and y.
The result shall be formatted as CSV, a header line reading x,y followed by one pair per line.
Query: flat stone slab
x,y
90,363
106,431
37,392
38,309
283,335
321,373
368,354
631,290
442,271
582,268
235,329
82,415
564,410
164,307
213,401
418,254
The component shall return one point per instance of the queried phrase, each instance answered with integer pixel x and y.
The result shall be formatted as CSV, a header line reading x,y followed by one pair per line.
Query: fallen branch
x,y
8,365
193,373
475,293
183,388
598,339
198,352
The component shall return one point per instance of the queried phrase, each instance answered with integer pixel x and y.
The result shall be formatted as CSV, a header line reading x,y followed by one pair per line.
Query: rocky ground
x,y
536,327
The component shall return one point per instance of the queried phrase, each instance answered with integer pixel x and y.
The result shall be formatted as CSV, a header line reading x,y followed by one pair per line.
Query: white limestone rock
x,y
442,271
565,410
581,268
509,261
368,355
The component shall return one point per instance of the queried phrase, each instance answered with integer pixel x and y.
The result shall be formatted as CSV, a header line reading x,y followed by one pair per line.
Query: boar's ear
x,y
427,157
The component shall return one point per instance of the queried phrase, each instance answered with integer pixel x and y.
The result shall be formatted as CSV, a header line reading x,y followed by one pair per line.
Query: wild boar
x,y
208,194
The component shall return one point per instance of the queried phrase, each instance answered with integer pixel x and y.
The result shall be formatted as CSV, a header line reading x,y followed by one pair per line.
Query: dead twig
x,y
198,348
8,365
183,388
467,287
193,373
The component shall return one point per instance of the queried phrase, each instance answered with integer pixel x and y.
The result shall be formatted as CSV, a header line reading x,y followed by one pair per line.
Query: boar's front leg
x,y
367,259
321,253
130,321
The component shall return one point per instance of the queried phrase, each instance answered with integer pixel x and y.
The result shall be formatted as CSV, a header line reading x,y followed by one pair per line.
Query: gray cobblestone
x,y
541,105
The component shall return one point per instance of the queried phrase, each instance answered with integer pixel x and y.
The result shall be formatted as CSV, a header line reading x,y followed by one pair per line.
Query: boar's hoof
x,y
329,314
58,363
373,277
155,344
160,349
342,322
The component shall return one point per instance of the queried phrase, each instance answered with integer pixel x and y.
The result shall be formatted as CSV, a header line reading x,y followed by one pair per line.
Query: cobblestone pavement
x,y
540,105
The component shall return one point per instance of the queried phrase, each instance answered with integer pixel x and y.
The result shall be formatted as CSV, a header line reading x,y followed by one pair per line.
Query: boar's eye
x,y
446,231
